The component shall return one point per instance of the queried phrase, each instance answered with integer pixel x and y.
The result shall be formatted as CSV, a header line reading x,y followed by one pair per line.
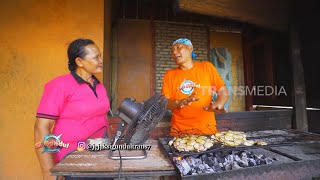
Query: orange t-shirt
x,y
178,84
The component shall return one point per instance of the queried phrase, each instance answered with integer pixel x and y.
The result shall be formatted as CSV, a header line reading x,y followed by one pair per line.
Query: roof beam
x,y
271,14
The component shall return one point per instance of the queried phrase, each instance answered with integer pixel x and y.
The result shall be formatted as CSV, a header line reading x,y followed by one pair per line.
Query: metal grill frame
x,y
294,170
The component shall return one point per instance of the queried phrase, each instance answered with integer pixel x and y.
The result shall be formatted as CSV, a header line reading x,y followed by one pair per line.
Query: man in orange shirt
x,y
189,90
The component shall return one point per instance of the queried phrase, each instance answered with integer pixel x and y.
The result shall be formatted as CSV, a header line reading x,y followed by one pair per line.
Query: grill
x,y
288,153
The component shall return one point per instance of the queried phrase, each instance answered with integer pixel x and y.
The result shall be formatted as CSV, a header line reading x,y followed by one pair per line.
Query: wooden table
x,y
99,164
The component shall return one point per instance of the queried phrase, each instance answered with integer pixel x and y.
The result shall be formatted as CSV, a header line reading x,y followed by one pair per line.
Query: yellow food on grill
x,y
232,138
248,143
233,143
208,145
200,140
192,143
261,143
202,143
229,138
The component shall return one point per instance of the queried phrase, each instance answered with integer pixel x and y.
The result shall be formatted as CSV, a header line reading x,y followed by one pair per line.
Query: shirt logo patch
x,y
187,87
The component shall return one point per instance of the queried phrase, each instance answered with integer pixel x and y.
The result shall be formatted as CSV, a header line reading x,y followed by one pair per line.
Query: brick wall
x,y
166,34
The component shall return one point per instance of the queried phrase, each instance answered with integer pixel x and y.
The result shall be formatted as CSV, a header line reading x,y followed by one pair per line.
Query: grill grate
x,y
271,137
223,162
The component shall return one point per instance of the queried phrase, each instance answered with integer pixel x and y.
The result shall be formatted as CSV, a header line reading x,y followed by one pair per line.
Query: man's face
x,y
181,53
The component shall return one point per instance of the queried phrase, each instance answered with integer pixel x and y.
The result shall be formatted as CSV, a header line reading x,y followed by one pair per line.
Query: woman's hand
x,y
215,107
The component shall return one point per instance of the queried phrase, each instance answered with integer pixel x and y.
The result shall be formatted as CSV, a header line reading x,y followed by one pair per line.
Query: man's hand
x,y
187,101
216,108
173,104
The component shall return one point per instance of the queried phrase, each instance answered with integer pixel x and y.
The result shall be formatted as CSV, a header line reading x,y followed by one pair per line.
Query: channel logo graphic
x,y
81,146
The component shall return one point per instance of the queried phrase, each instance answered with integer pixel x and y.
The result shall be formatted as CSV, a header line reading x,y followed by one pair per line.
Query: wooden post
x,y
247,65
300,121
114,69
106,46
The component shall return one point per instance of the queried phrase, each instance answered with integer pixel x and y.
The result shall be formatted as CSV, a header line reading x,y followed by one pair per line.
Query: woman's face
x,y
181,53
92,62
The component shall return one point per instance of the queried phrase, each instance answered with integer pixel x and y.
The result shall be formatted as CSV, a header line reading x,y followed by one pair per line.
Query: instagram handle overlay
x,y
98,147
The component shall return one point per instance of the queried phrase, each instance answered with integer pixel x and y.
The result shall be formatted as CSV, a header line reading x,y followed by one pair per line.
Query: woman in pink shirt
x,y
74,105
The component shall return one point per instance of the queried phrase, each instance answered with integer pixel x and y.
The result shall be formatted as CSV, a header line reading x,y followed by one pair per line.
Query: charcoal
x,y
181,169
221,165
230,158
210,162
258,161
228,167
222,154
203,157
215,160
243,155
202,167
235,165
241,164
216,167
191,161
206,166
263,161
240,153
193,170
197,162
185,167
198,170
259,156
245,162
268,161
209,170
252,162
237,158
221,159
250,154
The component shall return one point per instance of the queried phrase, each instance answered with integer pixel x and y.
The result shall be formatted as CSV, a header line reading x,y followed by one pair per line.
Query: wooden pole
x,y
300,121
247,64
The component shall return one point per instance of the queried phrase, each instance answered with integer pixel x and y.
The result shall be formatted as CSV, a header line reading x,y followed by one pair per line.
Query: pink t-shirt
x,y
78,108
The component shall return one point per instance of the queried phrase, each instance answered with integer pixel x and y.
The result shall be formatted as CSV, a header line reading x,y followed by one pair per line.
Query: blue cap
x,y
186,42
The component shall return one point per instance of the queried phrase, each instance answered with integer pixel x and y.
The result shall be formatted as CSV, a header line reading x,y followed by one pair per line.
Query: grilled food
x,y
233,138
261,143
192,143
202,143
